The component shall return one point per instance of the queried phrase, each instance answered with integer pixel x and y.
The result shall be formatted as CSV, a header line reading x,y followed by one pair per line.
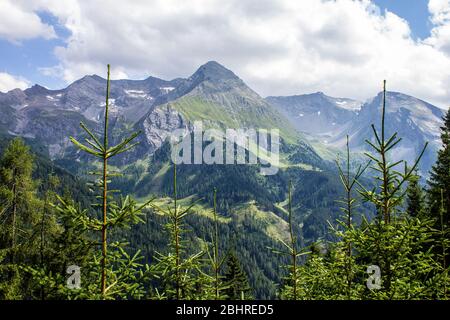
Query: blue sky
x,y
414,11
26,59
269,43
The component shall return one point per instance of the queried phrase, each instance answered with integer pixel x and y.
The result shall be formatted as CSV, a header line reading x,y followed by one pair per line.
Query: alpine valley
x,y
252,208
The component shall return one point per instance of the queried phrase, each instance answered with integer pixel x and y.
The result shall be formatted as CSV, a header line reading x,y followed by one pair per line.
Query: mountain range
x,y
217,96
313,129
327,121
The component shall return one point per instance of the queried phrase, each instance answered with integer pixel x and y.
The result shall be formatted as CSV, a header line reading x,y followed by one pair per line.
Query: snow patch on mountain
x,y
138,94
167,89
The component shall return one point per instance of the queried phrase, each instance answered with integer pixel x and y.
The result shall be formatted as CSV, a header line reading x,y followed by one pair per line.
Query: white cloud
x,y
440,17
18,22
279,47
9,82
440,11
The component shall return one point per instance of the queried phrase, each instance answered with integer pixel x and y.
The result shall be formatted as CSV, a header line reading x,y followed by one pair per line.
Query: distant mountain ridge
x,y
316,113
329,120
218,97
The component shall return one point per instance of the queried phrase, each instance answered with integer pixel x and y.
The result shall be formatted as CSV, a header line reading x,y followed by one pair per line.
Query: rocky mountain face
x,y
317,113
213,94
220,99
416,122
217,97
54,115
329,120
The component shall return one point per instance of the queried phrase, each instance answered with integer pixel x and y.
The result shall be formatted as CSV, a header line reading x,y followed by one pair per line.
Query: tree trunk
x,y
104,249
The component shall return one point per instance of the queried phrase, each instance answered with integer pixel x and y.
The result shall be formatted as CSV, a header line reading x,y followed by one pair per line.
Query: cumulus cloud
x,y
440,11
279,47
440,17
18,22
9,82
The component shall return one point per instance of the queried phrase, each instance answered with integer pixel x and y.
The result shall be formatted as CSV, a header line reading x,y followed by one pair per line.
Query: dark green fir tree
x,y
236,280
415,197
19,210
440,176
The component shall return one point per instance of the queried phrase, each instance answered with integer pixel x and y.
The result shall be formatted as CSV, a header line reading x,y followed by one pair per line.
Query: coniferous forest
x,y
93,235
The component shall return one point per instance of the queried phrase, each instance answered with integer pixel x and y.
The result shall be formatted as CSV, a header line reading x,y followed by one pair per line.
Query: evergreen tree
x,y
443,241
16,191
237,287
439,187
440,175
414,197
388,194
115,212
47,230
59,244
349,181
290,290
215,259
179,273
394,242
324,276
19,208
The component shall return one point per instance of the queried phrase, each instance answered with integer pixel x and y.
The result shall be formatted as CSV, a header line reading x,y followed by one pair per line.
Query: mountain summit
x,y
213,71
316,113
329,121
218,97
